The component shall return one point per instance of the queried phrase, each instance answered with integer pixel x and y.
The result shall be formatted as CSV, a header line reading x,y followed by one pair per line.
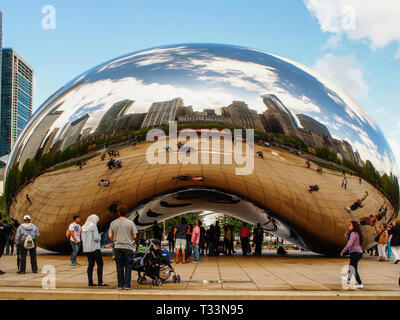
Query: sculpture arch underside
x,y
276,194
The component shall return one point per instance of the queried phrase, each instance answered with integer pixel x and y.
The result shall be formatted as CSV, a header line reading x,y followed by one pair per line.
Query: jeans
x,y
75,250
95,257
196,252
188,249
9,244
32,255
354,258
124,260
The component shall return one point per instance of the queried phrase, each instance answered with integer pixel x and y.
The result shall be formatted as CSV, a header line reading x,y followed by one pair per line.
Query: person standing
x,y
10,240
196,242
258,238
353,246
91,239
203,234
188,242
3,239
180,239
244,238
394,232
344,183
7,232
157,233
122,233
26,240
171,242
75,230
382,239
227,240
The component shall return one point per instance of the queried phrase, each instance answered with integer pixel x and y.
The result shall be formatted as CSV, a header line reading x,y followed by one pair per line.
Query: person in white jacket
x,y
91,246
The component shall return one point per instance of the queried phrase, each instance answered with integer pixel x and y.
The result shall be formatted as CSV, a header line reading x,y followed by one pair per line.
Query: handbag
x,y
378,236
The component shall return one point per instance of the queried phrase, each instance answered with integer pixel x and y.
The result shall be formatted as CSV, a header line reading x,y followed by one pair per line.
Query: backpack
x,y
68,233
29,243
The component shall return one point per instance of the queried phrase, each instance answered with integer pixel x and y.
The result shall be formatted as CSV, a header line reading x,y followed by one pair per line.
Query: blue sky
x,y
352,42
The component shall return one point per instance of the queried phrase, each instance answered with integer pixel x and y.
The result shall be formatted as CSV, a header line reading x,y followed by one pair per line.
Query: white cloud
x,y
346,71
378,22
395,145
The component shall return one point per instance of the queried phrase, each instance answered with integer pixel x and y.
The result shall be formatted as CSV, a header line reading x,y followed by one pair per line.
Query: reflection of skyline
x,y
210,76
277,118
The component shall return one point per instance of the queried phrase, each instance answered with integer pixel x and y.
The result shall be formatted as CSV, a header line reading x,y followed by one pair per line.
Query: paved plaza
x,y
297,275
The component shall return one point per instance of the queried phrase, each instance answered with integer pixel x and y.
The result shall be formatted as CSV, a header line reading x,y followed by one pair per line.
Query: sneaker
x,y
358,286
21,272
127,288
119,288
77,263
103,285
91,285
72,264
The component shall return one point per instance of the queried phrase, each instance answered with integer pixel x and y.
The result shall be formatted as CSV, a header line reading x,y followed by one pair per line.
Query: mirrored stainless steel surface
x,y
301,121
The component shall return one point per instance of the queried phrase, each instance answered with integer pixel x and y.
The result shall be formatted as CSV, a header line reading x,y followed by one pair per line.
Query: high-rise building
x,y
1,50
313,125
16,98
73,132
160,113
278,118
110,119
240,115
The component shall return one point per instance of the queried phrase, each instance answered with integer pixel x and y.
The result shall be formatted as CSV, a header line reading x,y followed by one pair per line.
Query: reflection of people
x,y
313,188
368,220
104,182
357,204
308,164
319,170
353,246
29,199
344,183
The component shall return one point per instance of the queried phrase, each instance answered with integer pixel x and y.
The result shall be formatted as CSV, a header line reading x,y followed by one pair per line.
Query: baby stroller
x,y
154,264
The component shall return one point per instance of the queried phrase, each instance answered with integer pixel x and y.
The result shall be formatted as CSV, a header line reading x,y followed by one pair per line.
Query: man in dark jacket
x,y
394,232
3,240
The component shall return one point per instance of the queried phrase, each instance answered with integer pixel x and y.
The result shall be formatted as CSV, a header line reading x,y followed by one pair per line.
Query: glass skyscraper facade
x,y
16,98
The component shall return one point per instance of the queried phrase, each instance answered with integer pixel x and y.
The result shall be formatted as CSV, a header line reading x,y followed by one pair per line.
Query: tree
x,y
190,217
225,220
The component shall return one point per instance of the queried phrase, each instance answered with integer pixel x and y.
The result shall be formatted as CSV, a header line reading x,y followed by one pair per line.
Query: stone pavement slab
x,y
297,275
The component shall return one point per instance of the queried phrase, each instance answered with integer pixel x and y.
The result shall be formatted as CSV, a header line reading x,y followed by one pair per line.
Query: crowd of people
x,y
186,240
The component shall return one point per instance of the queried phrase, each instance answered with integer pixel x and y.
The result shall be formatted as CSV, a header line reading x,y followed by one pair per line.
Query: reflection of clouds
x,y
352,108
204,78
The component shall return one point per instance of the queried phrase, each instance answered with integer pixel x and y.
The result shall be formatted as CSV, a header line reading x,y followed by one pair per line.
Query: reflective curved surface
x,y
306,132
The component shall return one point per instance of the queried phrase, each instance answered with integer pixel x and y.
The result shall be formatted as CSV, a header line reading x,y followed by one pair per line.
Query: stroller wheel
x,y
141,280
158,282
176,279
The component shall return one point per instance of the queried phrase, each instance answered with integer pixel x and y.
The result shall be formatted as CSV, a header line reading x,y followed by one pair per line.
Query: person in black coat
x,y
394,234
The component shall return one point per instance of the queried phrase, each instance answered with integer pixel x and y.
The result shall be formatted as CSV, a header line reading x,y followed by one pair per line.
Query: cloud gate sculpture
x,y
194,127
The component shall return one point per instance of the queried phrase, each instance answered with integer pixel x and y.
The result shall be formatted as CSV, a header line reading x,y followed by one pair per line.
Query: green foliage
x,y
191,217
3,207
12,184
225,220
327,155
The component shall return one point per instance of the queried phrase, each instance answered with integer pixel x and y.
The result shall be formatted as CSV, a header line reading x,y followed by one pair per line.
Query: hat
x,y
27,217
